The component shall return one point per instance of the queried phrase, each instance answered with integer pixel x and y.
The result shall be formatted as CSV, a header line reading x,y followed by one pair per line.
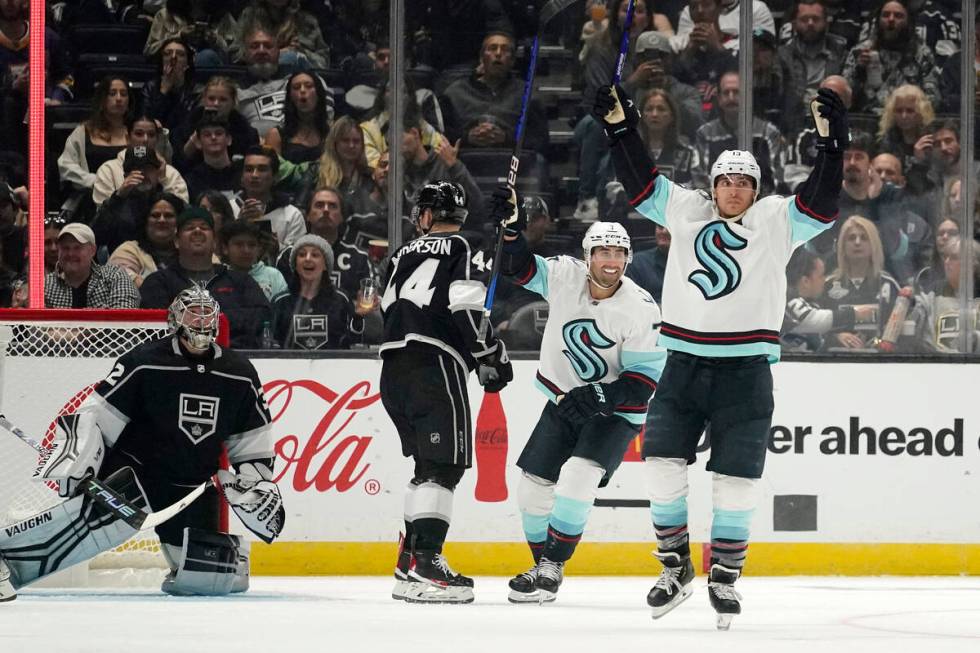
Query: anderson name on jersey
x,y
595,341
434,296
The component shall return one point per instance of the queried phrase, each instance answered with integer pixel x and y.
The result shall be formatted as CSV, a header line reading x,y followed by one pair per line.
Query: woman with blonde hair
x,y
860,280
904,126
343,165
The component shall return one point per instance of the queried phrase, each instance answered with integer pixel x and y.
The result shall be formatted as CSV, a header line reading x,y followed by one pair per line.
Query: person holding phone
x,y
258,204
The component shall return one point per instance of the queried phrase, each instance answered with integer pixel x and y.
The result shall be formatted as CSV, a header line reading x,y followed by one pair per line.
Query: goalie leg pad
x,y
68,533
211,564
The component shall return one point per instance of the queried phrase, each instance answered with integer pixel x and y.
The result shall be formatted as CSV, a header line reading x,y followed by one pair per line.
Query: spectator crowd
x,y
244,146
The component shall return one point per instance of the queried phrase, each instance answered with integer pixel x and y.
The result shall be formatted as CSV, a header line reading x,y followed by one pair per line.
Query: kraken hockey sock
x,y
670,525
730,537
535,532
565,526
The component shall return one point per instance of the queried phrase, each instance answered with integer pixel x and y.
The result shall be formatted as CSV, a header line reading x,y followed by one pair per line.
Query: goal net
x,y
50,361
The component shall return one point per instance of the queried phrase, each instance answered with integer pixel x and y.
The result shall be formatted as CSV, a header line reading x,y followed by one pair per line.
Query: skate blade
x,y
534,597
724,621
401,588
681,596
544,596
426,593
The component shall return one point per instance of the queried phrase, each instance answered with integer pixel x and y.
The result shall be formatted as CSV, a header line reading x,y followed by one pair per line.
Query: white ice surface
x,y
598,615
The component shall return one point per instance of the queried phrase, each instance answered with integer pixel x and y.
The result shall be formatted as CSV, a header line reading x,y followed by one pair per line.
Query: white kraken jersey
x,y
591,341
725,285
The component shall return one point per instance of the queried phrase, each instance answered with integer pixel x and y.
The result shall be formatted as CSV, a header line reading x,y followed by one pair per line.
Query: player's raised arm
x,y
815,205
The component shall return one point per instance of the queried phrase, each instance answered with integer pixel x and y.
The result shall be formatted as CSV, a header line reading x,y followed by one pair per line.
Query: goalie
x,y
166,411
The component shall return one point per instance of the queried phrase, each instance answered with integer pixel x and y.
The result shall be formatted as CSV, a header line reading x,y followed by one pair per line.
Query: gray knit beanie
x,y
315,241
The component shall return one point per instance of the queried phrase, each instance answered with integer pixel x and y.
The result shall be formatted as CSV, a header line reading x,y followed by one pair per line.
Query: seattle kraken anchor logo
x,y
583,338
721,274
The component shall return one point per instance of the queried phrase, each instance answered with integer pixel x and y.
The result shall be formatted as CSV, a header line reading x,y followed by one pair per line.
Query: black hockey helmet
x,y
447,200
534,206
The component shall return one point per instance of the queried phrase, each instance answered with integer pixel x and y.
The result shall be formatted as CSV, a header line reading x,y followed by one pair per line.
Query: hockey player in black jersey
x,y
432,305
168,409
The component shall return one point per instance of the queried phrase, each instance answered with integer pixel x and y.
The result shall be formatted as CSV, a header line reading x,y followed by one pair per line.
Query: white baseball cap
x,y
80,232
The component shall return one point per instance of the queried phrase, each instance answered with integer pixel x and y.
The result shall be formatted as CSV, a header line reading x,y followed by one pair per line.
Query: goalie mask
x,y
736,162
446,199
194,315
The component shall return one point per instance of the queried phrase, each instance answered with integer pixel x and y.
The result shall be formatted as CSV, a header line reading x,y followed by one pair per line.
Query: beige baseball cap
x,y
80,232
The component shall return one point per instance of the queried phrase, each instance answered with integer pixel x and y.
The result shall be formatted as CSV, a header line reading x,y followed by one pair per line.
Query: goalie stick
x,y
109,498
548,12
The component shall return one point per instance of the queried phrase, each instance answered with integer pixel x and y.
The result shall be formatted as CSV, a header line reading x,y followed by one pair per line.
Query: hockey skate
x,y
402,583
523,590
724,598
432,580
7,591
550,576
674,585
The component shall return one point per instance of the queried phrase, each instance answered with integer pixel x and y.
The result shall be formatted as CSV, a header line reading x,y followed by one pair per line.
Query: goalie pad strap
x,y
211,564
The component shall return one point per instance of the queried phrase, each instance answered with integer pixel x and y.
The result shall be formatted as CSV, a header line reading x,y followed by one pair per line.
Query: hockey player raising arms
x,y
432,305
166,410
599,365
723,298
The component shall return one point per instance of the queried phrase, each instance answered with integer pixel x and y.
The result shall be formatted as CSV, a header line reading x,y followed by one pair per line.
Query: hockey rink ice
x,y
356,614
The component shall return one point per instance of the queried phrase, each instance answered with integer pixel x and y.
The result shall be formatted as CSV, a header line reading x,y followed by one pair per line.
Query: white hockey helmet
x,y
736,162
194,314
606,234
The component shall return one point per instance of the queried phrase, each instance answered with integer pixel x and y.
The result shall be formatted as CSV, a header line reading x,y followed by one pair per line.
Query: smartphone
x,y
265,226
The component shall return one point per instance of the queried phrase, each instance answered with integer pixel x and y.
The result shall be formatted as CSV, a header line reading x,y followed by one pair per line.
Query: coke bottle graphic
x,y
491,450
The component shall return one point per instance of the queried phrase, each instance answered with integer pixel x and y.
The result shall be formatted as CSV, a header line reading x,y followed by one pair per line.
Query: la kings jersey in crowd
x,y
725,285
172,414
594,341
434,296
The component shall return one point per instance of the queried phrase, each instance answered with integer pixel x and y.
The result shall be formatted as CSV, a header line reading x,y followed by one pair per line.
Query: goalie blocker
x,y
168,409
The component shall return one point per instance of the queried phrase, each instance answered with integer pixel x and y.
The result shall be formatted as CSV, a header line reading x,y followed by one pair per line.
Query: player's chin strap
x,y
255,498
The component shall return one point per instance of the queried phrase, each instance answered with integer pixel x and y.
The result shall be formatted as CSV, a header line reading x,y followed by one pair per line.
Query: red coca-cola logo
x,y
331,457
492,437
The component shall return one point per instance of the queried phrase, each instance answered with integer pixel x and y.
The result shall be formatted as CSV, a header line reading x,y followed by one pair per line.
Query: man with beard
x,y
483,109
936,162
904,234
720,134
79,282
811,55
263,96
141,130
241,298
119,218
893,55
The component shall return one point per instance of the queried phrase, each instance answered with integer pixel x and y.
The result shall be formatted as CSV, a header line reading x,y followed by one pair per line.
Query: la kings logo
x,y
310,331
198,416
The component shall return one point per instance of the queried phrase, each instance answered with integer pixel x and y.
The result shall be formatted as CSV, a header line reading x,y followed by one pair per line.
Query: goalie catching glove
x,y
75,453
581,404
495,370
255,498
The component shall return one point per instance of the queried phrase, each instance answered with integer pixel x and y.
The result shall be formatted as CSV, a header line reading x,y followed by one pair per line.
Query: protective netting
x,y
47,369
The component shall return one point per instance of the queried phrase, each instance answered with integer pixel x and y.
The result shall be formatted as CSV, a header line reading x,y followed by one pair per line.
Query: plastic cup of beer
x,y
598,11
368,293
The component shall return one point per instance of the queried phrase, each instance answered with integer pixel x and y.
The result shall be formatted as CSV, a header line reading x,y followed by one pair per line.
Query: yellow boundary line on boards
x,y
623,559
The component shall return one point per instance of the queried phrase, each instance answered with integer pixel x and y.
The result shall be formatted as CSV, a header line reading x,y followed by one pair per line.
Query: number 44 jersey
x,y
434,293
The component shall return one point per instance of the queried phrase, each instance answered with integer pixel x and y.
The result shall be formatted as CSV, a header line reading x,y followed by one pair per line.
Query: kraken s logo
x,y
721,274
582,337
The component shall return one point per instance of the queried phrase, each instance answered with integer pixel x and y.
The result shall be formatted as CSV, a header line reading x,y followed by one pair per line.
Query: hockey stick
x,y
109,498
624,44
549,11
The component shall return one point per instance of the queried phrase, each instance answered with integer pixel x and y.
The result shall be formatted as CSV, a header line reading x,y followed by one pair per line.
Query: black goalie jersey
x,y
171,415
434,293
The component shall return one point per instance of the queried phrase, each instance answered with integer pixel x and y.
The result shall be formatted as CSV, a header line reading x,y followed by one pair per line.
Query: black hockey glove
x,y
615,111
495,370
506,210
585,402
830,107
